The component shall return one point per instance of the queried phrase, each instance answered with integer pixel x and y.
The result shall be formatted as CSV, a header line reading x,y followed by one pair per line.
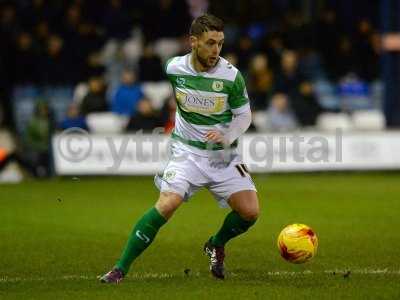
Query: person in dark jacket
x,y
95,100
145,119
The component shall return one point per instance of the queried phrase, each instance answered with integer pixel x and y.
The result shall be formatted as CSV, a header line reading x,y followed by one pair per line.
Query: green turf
x,y
56,236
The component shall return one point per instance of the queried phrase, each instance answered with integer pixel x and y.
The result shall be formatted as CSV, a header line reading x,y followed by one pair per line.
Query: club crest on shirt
x,y
217,85
169,175
180,81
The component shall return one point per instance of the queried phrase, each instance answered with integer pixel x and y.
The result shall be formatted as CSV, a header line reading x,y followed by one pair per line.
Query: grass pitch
x,y
57,236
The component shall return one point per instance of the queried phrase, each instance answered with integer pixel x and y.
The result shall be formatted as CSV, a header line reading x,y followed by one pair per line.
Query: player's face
x,y
207,47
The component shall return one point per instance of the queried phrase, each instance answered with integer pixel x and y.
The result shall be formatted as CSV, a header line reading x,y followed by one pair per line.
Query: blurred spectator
x,y
244,52
297,31
366,52
168,114
7,157
89,41
9,24
72,20
327,36
73,118
8,28
95,100
300,91
232,58
94,66
116,20
279,114
310,64
37,140
5,105
42,32
26,57
274,47
34,11
65,42
289,77
173,15
347,60
145,118
127,95
150,68
260,81
55,66
197,7
305,106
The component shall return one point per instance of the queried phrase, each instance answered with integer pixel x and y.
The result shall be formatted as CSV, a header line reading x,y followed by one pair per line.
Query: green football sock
x,y
233,226
141,237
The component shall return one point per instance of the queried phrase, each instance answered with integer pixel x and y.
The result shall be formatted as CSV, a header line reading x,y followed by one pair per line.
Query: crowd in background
x,y
106,50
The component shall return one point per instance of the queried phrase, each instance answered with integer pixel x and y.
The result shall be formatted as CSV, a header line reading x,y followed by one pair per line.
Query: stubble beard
x,y
204,62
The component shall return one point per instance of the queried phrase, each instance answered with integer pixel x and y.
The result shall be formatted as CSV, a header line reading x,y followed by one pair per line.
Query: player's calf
x,y
143,235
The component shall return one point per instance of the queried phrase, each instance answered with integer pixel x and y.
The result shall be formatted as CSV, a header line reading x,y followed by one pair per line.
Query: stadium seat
x,y
157,92
333,121
107,122
377,92
368,120
326,95
59,98
354,94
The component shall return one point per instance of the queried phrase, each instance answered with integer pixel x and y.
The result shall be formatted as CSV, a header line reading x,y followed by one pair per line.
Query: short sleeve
x,y
166,65
238,97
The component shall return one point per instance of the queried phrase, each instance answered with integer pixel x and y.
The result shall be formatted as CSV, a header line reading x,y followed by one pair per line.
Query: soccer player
x,y
212,112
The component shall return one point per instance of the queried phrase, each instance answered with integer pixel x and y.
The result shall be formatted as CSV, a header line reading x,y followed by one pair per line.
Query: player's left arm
x,y
240,107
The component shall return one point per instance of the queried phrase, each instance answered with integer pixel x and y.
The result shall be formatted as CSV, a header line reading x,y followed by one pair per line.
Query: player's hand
x,y
215,136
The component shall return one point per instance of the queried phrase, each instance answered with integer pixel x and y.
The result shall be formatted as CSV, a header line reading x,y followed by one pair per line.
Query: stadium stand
x,y
64,52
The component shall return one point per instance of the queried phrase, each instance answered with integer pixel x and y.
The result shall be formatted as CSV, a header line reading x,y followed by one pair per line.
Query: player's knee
x,y
165,209
246,204
250,214
168,203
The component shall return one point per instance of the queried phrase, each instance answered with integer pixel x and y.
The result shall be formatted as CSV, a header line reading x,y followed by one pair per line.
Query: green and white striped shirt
x,y
205,100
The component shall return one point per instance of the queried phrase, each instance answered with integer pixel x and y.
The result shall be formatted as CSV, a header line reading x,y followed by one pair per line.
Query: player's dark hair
x,y
206,23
